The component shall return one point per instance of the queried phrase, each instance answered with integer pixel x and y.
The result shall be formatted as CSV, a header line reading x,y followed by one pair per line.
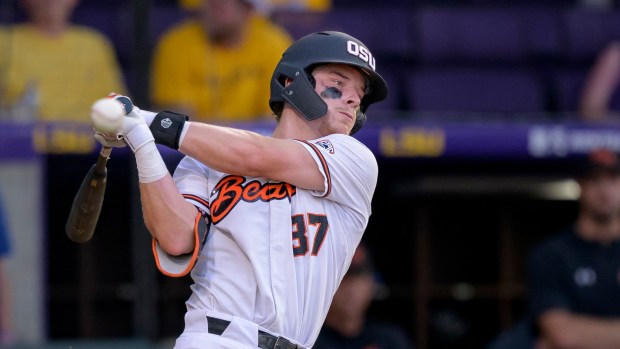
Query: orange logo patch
x,y
230,189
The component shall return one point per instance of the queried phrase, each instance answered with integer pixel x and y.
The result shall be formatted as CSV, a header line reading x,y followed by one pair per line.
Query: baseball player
x,y
266,225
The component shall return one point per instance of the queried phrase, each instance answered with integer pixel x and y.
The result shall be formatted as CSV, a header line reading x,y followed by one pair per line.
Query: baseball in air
x,y
107,115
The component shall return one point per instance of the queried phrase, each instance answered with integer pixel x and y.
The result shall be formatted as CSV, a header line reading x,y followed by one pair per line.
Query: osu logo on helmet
x,y
362,52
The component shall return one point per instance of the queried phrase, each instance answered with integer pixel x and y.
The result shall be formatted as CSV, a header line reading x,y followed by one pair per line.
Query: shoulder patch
x,y
326,144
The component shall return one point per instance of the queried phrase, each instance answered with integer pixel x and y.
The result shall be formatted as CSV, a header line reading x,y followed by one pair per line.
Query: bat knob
x,y
125,101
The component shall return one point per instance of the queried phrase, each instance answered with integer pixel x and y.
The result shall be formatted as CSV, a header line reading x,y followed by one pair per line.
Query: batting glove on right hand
x,y
133,110
164,127
134,132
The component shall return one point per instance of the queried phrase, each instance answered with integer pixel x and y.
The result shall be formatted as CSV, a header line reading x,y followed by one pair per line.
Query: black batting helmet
x,y
304,55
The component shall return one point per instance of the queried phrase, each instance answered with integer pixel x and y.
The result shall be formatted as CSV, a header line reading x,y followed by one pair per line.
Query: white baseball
x,y
107,115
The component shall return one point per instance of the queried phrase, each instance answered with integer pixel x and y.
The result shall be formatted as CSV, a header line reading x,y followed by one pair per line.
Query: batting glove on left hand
x,y
111,140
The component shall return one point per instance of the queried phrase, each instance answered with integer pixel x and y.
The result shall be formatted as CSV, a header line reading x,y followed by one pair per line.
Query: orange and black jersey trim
x,y
323,165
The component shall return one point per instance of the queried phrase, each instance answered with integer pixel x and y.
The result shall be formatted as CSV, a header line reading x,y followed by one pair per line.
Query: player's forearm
x,y
226,149
563,330
168,217
246,153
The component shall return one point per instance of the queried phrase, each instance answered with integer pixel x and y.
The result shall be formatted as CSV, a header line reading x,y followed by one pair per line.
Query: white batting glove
x,y
133,110
137,135
148,116
167,128
109,140
135,130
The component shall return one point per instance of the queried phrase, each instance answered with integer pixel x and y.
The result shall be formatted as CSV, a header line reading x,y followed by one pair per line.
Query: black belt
x,y
265,340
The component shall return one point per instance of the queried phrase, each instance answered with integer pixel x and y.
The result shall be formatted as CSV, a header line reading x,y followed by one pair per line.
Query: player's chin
x,y
336,127
345,125
348,127
344,129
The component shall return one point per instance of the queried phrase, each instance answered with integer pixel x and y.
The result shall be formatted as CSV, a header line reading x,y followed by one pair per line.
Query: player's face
x,y
600,195
342,87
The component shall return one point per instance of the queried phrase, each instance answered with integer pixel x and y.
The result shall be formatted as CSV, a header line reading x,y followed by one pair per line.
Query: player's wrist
x,y
148,116
151,166
167,128
137,134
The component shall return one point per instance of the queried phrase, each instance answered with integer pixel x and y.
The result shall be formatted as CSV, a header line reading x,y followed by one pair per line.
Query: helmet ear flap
x,y
360,120
301,95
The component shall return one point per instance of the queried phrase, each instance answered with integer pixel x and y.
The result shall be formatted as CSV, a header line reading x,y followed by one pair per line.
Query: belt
x,y
265,340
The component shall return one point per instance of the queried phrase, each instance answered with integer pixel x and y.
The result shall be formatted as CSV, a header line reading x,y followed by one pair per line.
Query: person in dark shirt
x,y
347,325
574,276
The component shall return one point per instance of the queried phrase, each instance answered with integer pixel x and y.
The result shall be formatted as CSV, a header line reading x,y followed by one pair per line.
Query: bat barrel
x,y
87,204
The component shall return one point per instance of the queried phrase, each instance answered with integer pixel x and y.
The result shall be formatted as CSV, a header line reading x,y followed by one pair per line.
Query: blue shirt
x,y
5,246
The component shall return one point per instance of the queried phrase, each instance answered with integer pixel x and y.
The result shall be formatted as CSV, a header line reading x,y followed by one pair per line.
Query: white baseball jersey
x,y
276,253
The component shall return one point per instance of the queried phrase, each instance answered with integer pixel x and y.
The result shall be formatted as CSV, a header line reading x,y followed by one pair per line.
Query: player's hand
x,y
135,131
133,110
109,140
167,130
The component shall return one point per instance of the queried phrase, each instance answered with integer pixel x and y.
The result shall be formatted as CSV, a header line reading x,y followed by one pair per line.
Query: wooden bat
x,y
107,116
88,201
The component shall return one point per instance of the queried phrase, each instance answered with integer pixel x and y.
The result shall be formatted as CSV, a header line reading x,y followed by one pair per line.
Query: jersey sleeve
x,y
190,177
349,170
191,180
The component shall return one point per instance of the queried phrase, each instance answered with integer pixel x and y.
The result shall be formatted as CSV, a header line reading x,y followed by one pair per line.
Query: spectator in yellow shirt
x,y
55,66
301,5
218,65
306,5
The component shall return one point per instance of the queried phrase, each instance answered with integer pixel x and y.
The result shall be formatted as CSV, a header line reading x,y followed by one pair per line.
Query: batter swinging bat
x,y
107,116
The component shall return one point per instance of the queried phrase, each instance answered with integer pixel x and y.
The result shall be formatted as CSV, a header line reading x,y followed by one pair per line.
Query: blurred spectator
x,y
574,276
347,325
301,5
218,65
269,5
51,69
6,324
601,83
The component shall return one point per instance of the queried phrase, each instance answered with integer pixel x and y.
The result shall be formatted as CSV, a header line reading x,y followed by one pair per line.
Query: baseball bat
x,y
84,214
88,201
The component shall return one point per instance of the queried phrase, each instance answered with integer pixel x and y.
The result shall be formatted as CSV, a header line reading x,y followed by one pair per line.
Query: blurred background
x,y
476,146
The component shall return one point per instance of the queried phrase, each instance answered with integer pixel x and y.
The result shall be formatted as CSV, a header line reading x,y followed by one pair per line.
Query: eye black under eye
x,y
331,92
